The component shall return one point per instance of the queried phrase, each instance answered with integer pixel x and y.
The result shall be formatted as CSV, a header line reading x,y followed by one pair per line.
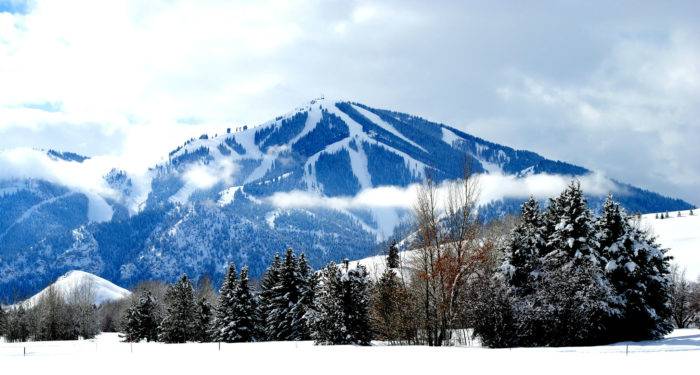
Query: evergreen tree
x,y
306,283
141,319
203,320
17,328
285,294
392,259
638,271
243,312
327,318
179,323
389,300
524,248
223,323
341,308
267,290
356,305
574,296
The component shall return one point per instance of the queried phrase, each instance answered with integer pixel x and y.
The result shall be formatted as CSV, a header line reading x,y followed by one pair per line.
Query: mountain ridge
x,y
209,203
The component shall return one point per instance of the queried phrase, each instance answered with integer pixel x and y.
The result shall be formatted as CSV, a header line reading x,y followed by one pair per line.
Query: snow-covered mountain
x,y
245,194
101,289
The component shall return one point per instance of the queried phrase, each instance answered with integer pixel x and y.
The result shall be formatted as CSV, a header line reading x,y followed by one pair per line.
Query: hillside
x,y
330,178
101,289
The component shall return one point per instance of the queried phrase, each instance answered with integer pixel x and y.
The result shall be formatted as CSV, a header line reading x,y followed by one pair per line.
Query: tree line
x,y
554,276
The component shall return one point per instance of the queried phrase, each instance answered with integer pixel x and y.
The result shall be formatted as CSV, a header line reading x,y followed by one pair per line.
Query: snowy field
x,y
677,354
682,236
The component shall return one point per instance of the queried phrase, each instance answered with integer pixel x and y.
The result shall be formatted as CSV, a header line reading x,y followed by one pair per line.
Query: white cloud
x,y
610,86
491,187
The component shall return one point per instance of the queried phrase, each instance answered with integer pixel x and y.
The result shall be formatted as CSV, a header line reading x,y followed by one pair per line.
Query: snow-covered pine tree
x,y
576,299
267,288
355,301
202,332
141,319
178,325
306,284
327,317
285,294
243,326
523,249
638,271
222,327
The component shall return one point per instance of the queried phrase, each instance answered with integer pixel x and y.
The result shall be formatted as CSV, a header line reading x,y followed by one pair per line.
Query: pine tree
x,y
388,305
638,272
141,319
203,320
306,284
223,323
341,308
392,260
179,323
327,317
267,290
574,296
524,248
284,296
17,328
243,312
356,305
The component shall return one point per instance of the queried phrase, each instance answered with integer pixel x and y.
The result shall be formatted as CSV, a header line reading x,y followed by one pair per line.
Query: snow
x,y
448,136
682,236
103,289
226,196
377,120
676,354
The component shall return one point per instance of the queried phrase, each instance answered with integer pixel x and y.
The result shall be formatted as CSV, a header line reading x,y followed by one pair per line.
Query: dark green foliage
x,y
393,260
18,325
341,307
202,331
141,319
179,322
223,323
243,318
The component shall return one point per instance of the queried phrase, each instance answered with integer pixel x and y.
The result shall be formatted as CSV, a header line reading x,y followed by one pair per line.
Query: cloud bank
x,y
491,187
613,86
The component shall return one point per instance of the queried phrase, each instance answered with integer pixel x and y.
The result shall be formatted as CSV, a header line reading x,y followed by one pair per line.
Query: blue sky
x,y
613,86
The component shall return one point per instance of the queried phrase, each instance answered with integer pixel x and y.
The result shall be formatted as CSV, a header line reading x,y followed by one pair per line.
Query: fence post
x,y
219,345
24,351
627,350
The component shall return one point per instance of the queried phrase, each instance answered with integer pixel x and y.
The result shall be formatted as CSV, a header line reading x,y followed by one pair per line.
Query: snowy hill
x,y
681,234
330,178
103,290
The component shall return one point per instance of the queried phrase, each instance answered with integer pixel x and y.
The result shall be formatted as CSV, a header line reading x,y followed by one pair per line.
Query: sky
x,y
612,86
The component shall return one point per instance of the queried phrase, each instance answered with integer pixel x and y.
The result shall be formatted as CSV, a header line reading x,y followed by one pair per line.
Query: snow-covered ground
x,y
681,234
677,354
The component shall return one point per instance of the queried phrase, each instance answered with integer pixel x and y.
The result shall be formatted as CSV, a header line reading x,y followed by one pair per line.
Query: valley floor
x,y
678,353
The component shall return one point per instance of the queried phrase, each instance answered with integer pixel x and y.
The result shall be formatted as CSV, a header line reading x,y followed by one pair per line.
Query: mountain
x,y
103,290
243,195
